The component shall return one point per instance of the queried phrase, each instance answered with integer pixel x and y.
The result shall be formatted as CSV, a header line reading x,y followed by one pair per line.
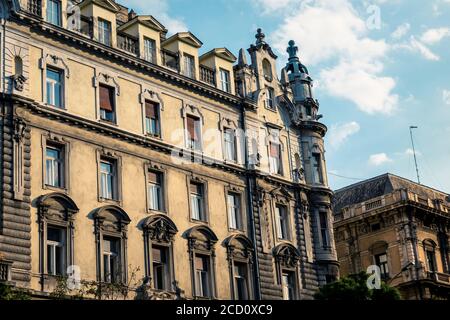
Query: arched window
x,y
111,224
201,242
429,247
56,214
267,70
159,232
239,254
286,259
379,251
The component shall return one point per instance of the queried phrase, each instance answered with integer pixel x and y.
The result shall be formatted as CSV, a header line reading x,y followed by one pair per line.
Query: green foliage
x,y
10,293
354,288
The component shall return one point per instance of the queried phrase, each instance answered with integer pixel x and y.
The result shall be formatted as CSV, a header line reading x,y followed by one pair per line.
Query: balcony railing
x,y
207,75
5,271
86,27
439,277
35,7
127,43
170,60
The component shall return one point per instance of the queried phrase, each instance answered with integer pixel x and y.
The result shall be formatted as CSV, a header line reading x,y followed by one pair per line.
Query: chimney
x,y
131,15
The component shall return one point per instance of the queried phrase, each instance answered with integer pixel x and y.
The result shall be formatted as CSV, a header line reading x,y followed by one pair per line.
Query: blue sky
x,y
380,66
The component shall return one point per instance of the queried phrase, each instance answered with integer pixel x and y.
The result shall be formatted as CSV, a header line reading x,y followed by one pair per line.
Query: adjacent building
x,y
400,226
125,152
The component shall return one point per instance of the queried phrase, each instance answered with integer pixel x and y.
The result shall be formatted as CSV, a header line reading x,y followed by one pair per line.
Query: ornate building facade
x,y
401,227
125,153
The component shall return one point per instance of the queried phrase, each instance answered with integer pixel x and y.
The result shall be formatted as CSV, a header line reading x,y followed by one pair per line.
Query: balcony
x,y
128,44
208,75
35,7
170,60
439,277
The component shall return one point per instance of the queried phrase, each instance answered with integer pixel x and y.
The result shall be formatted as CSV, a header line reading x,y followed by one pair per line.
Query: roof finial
x,y
259,37
242,61
292,50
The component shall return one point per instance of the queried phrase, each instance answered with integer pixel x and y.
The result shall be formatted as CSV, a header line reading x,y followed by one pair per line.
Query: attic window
x,y
267,70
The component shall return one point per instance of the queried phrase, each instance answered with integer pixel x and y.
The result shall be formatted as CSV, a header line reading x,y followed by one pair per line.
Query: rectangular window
x,y
240,281
56,251
275,158
225,80
202,277
382,262
282,222
150,50
229,137
152,124
155,191
107,107
160,268
104,32
54,12
108,179
193,133
323,216
197,202
189,66
55,87
431,261
234,211
317,168
288,284
270,95
111,260
54,166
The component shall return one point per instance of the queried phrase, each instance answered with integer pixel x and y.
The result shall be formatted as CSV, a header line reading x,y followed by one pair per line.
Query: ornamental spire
x,y
260,36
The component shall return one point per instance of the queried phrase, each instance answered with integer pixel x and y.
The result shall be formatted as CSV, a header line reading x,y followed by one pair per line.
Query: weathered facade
x,y
125,153
400,226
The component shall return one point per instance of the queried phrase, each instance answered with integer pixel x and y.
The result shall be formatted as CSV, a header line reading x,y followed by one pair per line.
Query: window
x,y
189,66
197,202
202,276
267,70
382,262
160,268
193,133
155,191
54,87
54,12
56,251
234,211
152,124
282,222
240,281
54,166
107,107
270,98
107,179
225,80
275,158
104,32
323,216
317,168
111,260
288,285
230,144
431,260
150,50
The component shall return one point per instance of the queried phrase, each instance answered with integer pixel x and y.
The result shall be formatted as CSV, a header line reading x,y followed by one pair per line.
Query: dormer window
x,y
104,32
150,50
189,66
54,12
267,70
225,80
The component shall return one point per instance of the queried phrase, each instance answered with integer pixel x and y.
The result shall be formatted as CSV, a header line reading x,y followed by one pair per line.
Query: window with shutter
x,y
107,103
152,124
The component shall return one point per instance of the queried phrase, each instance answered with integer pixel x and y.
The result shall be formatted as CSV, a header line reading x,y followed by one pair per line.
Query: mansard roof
x,y
146,20
223,53
186,37
379,186
107,4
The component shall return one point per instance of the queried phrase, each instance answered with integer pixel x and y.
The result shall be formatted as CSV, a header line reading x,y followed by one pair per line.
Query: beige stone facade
x,y
117,159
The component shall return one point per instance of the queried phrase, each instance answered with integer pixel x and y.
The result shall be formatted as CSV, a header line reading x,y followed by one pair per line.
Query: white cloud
x,y
379,159
417,46
446,96
332,33
410,152
340,133
433,36
401,31
160,10
272,6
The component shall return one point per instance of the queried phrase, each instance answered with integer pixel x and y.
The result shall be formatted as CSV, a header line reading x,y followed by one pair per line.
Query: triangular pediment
x,y
186,37
148,21
107,4
222,53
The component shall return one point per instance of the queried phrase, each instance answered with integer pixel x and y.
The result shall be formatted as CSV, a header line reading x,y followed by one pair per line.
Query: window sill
x,y
58,189
153,136
201,222
110,123
151,211
110,201
55,107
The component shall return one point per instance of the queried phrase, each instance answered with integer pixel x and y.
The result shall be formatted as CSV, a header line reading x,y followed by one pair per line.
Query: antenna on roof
x,y
414,151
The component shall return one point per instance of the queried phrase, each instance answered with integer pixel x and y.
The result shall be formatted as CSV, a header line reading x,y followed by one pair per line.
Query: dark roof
x,y
379,186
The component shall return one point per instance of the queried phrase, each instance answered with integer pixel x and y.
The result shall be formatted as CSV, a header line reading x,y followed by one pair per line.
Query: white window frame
x,y
104,33
235,211
104,192
149,51
50,96
58,12
225,80
50,178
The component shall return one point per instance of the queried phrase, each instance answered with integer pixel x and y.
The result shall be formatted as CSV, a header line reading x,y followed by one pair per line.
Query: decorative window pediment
x,y
201,238
148,94
55,61
191,109
111,219
239,247
286,255
160,228
56,206
107,79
